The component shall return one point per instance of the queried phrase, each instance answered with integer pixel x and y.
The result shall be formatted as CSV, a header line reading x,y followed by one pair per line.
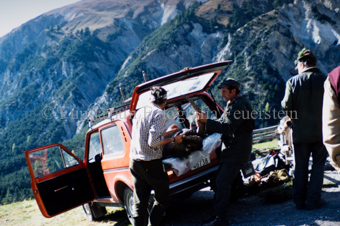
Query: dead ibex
x,y
192,141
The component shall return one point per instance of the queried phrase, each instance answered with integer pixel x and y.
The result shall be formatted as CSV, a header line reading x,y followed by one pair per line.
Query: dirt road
x,y
253,211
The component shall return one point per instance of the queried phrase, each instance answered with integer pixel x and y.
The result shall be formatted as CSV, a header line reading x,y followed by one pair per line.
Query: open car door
x,y
59,179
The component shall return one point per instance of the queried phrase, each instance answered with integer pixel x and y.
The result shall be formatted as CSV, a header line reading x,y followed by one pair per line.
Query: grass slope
x,y
27,213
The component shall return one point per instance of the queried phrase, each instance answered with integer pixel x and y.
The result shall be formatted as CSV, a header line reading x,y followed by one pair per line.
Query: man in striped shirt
x,y
148,173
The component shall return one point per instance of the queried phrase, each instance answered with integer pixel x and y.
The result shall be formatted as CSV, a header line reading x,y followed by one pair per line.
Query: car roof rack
x,y
111,112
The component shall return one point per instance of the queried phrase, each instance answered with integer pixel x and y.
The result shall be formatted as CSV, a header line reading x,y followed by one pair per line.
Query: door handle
x,y
59,189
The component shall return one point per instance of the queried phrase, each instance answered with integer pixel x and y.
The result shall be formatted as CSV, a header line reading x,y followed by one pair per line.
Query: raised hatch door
x,y
187,81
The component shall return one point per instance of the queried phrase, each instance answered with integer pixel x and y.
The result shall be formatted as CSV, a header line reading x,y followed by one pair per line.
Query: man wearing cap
x,y
303,98
236,126
146,166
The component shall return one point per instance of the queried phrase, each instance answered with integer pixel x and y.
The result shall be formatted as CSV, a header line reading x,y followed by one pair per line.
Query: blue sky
x,y
13,13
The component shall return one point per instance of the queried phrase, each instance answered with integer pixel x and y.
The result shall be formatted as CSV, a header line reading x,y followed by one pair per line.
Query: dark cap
x,y
229,82
305,54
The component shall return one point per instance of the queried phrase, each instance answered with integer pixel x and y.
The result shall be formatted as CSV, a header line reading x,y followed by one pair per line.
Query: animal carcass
x,y
192,141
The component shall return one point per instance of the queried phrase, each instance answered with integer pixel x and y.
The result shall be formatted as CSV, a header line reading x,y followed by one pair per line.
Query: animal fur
x,y
286,142
284,129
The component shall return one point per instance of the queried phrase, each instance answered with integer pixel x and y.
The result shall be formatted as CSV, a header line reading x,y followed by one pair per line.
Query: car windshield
x,y
179,88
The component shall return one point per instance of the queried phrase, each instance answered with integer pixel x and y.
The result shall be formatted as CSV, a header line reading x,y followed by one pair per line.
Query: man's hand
x,y
178,139
201,117
198,123
170,130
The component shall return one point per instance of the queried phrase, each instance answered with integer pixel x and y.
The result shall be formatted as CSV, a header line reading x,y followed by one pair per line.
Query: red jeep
x,y
61,181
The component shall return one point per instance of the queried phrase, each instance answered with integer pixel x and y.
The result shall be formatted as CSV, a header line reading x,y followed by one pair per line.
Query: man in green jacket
x,y
236,126
303,103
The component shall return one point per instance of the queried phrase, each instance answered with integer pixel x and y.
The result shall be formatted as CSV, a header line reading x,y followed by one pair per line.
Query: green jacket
x,y
303,104
236,126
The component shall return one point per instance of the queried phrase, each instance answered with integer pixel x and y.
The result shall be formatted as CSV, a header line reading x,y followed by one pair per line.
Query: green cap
x,y
305,54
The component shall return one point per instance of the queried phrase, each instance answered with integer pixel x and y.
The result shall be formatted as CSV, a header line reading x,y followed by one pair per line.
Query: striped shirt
x,y
149,125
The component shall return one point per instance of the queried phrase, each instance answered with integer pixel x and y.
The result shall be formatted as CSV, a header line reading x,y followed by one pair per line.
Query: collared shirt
x,y
307,68
149,125
231,101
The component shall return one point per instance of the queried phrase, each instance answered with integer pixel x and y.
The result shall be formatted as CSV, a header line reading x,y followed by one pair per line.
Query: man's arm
x,y
170,130
287,101
331,124
226,124
156,133
229,123
177,139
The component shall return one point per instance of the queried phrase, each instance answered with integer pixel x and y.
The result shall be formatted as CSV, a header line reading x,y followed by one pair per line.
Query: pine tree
x,y
8,198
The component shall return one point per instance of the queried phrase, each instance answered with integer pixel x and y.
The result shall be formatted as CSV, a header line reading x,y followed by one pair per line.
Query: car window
x,y
172,116
112,141
179,88
175,116
50,160
94,146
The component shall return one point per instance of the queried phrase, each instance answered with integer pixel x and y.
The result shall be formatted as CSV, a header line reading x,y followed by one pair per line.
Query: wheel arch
x,y
120,187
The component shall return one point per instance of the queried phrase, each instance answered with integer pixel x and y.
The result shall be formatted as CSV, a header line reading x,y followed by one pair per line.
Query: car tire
x,y
93,211
128,203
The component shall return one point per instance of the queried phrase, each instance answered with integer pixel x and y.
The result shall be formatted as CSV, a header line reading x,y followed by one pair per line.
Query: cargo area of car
x,y
185,180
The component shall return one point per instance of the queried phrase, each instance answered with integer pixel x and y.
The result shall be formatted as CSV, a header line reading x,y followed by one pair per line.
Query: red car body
x,y
60,181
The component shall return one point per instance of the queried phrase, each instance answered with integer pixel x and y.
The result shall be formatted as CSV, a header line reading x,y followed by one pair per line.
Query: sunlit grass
x,y
266,145
27,213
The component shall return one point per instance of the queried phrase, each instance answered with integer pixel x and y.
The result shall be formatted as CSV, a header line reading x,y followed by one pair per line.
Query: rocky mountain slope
x,y
263,46
84,43
66,65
